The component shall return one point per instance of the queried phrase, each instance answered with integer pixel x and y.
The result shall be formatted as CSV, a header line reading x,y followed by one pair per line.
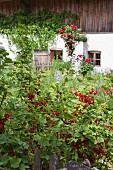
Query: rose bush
x,y
86,66
72,35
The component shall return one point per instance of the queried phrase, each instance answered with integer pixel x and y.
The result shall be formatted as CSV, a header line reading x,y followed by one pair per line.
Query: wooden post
x,y
53,162
37,159
51,56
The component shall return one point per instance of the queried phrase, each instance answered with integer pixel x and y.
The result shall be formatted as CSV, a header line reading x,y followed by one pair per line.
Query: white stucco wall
x,y
100,42
4,43
104,43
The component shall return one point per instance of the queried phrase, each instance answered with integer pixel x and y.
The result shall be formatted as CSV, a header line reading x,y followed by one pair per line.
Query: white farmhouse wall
x,y
98,42
103,43
4,43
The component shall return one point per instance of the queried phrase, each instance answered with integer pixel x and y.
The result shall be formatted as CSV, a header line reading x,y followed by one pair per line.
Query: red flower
x,y
57,96
10,153
0,154
38,84
71,36
43,102
65,35
75,93
73,27
97,121
41,147
106,91
111,128
71,42
1,126
31,168
80,55
31,96
72,121
80,155
61,31
85,105
107,127
69,136
111,90
6,116
87,60
106,141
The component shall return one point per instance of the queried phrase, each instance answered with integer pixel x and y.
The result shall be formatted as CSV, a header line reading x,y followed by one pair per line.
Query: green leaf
x,y
23,167
110,104
90,78
8,60
79,79
15,162
66,79
100,140
60,123
1,66
4,159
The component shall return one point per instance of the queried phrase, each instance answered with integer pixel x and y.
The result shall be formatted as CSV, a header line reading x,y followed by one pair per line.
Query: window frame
x,y
94,57
53,54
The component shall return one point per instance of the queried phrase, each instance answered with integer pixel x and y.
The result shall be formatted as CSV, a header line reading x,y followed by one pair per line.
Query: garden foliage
x,y
72,117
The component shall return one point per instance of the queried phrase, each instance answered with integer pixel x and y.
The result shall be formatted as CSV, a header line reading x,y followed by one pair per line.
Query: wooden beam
x,y
4,0
26,4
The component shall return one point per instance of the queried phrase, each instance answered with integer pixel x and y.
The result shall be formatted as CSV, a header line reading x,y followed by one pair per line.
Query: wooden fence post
x,y
37,159
53,162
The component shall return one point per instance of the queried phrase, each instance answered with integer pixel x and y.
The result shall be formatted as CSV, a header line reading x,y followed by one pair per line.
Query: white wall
x,y
103,43
4,43
99,42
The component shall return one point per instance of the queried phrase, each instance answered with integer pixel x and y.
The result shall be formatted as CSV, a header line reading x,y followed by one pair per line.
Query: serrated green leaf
x,y
15,162
23,167
110,104
4,159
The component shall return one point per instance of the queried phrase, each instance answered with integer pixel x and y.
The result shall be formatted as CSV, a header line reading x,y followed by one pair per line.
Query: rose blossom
x,y
61,31
73,27
87,60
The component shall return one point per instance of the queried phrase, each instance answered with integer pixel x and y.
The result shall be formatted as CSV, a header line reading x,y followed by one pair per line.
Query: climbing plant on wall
x,y
21,24
49,19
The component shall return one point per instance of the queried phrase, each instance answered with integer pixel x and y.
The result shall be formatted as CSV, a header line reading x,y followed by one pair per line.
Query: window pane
x,y
91,55
97,56
97,62
92,62
58,54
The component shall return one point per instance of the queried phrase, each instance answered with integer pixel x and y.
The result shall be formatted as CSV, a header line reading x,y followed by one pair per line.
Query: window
x,y
56,54
95,57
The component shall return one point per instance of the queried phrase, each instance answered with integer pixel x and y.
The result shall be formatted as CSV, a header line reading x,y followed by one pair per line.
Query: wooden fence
x,y
53,163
